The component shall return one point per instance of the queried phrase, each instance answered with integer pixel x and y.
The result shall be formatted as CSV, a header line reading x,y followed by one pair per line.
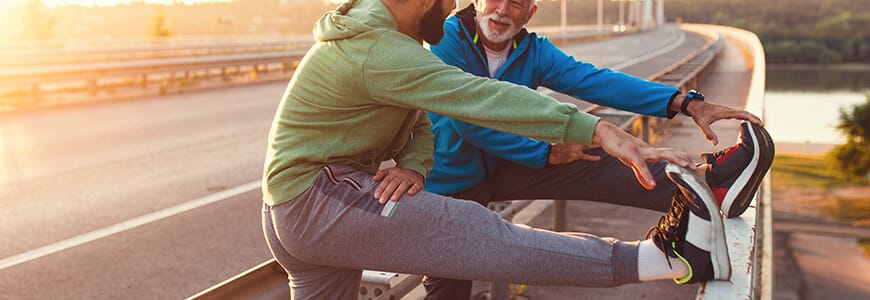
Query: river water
x,y
803,105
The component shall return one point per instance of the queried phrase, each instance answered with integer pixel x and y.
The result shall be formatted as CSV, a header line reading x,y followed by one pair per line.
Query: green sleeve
x,y
417,155
401,73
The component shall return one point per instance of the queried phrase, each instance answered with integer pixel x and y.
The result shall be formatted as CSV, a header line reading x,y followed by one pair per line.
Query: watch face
x,y
693,94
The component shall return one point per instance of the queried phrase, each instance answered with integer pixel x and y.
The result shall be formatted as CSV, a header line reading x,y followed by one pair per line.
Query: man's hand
x,y
635,153
395,182
705,114
566,153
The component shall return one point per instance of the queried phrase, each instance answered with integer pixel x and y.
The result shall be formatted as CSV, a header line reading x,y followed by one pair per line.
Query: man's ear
x,y
532,12
427,4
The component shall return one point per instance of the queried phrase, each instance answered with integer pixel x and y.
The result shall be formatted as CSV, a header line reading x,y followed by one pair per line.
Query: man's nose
x,y
502,7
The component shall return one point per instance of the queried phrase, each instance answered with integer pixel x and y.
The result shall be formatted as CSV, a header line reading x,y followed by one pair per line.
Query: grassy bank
x,y
835,198
803,170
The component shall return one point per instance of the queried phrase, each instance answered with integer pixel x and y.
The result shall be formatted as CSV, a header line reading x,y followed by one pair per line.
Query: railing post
x,y
645,130
92,87
499,291
559,215
254,71
35,93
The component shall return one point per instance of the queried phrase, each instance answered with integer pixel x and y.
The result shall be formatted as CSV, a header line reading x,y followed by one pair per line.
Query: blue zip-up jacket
x,y
465,154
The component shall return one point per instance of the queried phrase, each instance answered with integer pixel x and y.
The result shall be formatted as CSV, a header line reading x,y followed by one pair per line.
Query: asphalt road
x,y
157,198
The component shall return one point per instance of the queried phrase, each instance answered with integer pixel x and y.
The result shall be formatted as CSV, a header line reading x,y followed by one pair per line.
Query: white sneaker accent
x,y
745,175
652,263
699,232
717,245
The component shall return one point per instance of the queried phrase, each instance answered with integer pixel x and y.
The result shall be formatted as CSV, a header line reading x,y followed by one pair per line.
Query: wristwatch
x,y
690,95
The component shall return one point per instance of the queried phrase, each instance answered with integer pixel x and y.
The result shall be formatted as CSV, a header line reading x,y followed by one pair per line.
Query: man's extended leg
x,y
734,174
606,180
337,225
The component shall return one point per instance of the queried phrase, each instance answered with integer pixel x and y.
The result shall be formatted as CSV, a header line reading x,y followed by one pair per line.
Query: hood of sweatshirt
x,y
353,17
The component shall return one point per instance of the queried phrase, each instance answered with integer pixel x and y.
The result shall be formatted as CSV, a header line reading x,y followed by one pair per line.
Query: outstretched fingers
x,y
649,154
669,154
709,113
635,153
588,157
642,173
708,132
745,115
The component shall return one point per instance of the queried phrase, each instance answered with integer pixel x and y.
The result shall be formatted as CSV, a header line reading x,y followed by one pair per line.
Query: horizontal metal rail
x,y
265,281
377,280
77,43
58,85
85,51
16,58
43,74
50,85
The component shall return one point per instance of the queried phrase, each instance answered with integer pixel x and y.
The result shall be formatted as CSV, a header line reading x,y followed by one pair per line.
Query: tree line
x,y
792,31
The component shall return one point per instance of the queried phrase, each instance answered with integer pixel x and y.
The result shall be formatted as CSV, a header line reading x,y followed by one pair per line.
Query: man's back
x,y
354,97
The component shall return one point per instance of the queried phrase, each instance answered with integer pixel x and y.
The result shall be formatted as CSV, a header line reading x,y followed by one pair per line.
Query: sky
x,y
92,3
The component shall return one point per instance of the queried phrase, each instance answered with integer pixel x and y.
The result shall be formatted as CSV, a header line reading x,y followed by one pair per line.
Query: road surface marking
x,y
126,225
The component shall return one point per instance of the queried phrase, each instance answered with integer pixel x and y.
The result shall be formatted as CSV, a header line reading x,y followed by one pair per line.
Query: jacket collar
x,y
466,19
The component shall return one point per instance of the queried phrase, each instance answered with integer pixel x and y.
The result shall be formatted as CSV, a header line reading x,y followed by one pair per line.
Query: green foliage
x,y
789,51
852,160
792,31
856,124
850,210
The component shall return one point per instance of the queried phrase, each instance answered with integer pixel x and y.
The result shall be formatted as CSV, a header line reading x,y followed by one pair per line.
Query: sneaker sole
x,y
718,245
736,201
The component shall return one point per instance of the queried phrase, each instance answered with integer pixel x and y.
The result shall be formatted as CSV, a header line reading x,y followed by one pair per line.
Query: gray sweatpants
x,y
327,235
606,180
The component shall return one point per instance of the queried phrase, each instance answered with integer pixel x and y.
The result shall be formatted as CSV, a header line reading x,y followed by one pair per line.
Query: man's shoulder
x,y
539,40
453,27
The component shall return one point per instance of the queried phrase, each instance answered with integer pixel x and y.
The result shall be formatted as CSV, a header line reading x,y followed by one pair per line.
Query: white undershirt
x,y
496,59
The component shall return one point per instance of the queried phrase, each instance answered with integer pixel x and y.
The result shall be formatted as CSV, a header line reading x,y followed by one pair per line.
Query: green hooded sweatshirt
x,y
358,97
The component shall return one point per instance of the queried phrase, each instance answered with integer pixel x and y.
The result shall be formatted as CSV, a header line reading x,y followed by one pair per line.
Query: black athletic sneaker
x,y
692,230
736,172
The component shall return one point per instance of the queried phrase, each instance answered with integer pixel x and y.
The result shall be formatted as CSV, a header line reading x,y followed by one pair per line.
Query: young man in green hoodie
x,y
356,100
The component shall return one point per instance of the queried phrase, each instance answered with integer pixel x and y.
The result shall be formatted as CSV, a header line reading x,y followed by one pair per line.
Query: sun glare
x,y
93,3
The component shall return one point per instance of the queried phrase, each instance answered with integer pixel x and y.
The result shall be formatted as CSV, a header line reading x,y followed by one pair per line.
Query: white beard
x,y
492,35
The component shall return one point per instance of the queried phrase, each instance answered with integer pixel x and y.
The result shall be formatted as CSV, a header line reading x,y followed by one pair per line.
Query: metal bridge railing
x,y
124,71
46,56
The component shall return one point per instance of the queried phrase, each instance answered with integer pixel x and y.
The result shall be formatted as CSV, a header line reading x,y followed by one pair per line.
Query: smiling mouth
x,y
499,25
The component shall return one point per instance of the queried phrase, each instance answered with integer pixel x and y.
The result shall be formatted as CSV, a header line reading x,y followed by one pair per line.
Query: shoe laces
x,y
712,158
666,230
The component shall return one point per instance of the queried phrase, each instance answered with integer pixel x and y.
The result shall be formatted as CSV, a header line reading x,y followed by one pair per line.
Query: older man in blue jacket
x,y
487,39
